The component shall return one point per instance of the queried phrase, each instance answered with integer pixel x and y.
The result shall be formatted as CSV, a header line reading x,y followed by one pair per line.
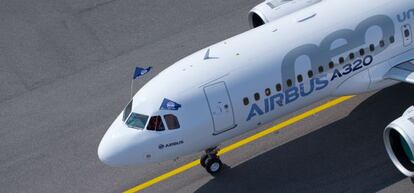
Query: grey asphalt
x,y
65,71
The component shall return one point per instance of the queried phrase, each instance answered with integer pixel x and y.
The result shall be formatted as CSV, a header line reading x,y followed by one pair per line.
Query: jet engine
x,y
399,142
271,10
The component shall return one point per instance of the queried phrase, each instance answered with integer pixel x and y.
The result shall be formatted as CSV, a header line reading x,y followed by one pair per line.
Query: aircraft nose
x,y
116,147
107,154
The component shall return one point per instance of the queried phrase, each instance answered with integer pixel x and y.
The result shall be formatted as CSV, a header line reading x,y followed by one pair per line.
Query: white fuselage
x,y
253,78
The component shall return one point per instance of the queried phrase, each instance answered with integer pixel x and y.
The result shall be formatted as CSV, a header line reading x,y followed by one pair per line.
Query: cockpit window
x,y
127,111
137,121
171,121
155,124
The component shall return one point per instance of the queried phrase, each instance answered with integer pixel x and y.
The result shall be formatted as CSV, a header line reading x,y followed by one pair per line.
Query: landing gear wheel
x,y
213,165
203,160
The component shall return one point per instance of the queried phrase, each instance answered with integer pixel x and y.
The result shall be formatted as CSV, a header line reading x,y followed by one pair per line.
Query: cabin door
x,y
220,106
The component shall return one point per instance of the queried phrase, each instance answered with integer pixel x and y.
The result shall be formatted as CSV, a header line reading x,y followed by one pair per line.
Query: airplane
x,y
296,53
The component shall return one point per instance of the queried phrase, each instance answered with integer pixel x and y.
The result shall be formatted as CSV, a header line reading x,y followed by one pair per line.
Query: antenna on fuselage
x,y
207,55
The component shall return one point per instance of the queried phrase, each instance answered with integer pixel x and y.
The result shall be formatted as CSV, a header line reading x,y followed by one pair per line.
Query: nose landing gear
x,y
211,161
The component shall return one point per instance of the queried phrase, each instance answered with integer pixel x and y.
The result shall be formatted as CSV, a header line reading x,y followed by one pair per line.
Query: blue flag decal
x,y
141,71
169,105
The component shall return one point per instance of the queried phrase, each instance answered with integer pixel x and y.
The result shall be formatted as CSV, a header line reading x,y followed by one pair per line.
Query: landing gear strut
x,y
211,161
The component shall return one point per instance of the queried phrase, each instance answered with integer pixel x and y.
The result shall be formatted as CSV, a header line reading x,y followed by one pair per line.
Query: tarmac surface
x,y
65,72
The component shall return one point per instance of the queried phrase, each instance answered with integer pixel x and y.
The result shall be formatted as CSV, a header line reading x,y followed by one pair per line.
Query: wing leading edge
x,y
403,72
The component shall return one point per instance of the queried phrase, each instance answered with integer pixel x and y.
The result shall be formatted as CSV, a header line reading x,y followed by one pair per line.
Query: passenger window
x,y
392,39
300,78
289,83
341,60
372,47
331,64
362,52
382,43
310,73
320,69
278,87
171,121
246,101
351,56
257,96
268,92
155,124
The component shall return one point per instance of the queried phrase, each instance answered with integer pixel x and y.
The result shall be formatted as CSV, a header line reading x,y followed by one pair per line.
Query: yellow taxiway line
x,y
241,143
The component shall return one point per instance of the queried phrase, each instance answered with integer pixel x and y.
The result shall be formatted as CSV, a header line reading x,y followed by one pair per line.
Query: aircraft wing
x,y
403,72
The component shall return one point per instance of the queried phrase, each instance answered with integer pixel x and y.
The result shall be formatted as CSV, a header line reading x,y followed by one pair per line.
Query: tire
x,y
214,166
203,160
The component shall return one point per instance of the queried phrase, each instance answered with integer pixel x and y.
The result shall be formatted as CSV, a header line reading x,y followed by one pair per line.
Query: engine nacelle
x,y
271,10
399,142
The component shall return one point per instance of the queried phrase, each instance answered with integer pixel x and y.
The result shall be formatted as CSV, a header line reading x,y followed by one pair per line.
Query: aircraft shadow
x,y
345,156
